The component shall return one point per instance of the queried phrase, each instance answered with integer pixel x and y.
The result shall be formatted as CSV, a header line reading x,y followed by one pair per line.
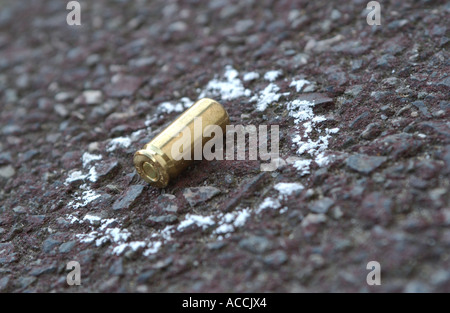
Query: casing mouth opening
x,y
151,168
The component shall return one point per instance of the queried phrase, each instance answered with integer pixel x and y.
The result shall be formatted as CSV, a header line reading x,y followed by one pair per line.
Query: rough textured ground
x,y
78,101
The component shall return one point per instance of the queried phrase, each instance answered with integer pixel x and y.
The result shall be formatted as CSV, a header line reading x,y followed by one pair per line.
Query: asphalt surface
x,y
363,113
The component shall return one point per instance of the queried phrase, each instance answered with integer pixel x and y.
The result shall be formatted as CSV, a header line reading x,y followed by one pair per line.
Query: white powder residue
x,y
87,238
134,245
332,130
299,84
114,235
111,231
107,222
152,120
101,240
87,196
117,234
267,96
230,221
101,231
272,75
241,217
118,250
322,160
315,148
92,176
85,199
105,234
135,135
88,158
92,96
78,175
300,110
123,142
250,76
166,233
228,89
302,166
284,190
187,103
74,176
287,189
268,203
303,114
153,247
167,107
224,228
229,217
72,219
199,220
318,119
92,219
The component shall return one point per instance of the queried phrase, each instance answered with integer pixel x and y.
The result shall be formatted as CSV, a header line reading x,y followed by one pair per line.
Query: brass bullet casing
x,y
155,162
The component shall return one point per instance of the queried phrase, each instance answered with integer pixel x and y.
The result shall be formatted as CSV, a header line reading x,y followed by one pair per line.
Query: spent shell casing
x,y
158,162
